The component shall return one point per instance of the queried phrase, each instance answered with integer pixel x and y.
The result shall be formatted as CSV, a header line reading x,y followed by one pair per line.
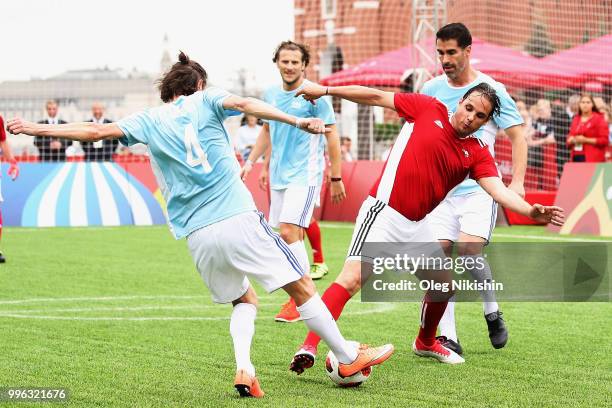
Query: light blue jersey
x,y
192,159
297,156
450,96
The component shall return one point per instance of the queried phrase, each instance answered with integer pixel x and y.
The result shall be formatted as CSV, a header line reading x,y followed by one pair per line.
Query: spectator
x,y
541,135
247,135
345,148
588,135
51,149
101,150
561,120
13,170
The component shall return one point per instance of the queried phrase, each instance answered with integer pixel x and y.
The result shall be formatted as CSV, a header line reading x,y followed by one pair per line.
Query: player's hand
x,y
263,179
337,191
547,214
13,170
246,169
518,188
579,139
16,126
312,125
311,92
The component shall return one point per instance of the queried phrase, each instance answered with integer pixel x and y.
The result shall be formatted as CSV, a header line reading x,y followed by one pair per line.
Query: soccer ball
x,y
355,380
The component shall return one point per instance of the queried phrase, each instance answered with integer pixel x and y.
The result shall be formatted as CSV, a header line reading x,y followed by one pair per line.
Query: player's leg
x,y
444,223
319,268
294,207
318,319
242,330
274,266
335,298
436,298
373,224
478,217
434,303
212,248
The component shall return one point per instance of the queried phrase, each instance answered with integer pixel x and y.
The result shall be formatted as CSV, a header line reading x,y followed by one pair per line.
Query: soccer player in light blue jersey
x,y
207,203
297,160
467,217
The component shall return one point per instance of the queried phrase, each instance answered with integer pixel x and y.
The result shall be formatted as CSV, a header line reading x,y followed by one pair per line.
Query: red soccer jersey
x,y
428,159
2,131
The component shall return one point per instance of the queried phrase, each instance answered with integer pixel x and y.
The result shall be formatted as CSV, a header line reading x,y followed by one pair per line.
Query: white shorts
x,y
473,214
377,222
293,205
229,251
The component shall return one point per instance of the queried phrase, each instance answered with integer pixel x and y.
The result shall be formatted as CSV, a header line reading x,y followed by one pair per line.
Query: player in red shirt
x,y
13,170
427,161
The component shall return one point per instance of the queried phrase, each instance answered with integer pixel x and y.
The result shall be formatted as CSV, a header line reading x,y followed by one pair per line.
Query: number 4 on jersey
x,y
192,145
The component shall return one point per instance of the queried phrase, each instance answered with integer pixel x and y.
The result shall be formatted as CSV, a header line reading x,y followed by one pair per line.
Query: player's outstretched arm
x,y
516,134
263,110
261,146
338,192
353,93
82,132
512,201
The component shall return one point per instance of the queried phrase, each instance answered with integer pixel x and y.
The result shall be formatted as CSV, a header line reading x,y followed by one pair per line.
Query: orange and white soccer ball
x,y
355,380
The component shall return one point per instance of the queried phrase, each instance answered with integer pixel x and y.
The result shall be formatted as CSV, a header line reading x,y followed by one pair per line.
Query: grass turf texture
x,y
137,328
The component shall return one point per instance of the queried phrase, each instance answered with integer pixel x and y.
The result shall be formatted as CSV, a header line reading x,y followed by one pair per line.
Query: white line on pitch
x,y
380,308
549,238
94,299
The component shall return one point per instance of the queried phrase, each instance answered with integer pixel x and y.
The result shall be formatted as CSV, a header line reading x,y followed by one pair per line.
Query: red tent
x,y
585,62
511,67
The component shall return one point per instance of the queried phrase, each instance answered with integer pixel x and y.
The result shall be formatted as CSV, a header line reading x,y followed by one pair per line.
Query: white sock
x,y
482,275
318,319
299,250
447,323
242,329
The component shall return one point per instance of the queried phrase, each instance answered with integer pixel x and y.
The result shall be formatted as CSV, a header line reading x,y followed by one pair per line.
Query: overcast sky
x,y
41,38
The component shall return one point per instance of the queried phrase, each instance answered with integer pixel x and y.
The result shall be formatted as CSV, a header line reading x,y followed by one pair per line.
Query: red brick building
x,y
362,29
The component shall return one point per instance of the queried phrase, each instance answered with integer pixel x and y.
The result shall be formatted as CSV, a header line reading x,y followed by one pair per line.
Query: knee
x,y
350,279
249,297
289,233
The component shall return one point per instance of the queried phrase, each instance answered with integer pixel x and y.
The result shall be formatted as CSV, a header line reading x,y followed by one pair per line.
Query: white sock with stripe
x,y
299,250
447,323
242,329
319,320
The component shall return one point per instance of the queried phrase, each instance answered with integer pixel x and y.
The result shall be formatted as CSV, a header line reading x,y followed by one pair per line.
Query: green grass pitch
x,y
120,317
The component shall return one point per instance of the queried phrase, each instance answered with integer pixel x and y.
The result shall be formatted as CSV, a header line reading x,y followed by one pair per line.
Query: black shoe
x,y
497,329
451,344
2,258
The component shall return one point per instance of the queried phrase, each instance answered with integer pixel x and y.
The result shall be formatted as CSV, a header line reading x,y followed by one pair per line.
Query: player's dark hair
x,y
455,31
293,46
486,90
181,79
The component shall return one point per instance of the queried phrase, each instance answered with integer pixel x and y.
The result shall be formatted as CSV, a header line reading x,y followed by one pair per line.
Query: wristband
x,y
248,162
336,179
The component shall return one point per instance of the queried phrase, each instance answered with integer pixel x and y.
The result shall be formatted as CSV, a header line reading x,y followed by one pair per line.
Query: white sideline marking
x,y
94,299
26,313
545,238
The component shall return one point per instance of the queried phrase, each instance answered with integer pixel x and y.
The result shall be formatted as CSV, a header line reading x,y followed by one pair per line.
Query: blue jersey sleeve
x,y
429,88
135,129
509,115
324,110
214,97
